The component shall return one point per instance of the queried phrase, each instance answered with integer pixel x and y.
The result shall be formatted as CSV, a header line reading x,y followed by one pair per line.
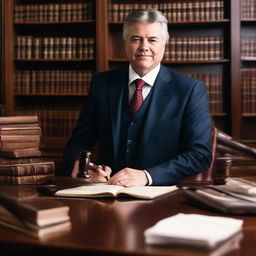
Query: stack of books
x,y
34,216
20,161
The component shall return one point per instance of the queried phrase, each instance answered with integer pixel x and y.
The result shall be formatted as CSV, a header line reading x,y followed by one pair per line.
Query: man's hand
x,y
129,177
101,174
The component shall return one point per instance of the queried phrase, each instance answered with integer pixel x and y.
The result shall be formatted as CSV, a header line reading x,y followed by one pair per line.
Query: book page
x,y
90,191
147,192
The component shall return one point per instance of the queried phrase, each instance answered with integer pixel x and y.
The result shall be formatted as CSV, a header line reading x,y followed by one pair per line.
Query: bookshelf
x,y
54,47
248,70
1,63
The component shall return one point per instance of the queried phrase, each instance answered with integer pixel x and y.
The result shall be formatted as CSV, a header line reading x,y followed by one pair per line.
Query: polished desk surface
x,y
116,226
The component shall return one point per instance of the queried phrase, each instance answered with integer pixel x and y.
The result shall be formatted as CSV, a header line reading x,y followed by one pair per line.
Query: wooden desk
x,y
115,227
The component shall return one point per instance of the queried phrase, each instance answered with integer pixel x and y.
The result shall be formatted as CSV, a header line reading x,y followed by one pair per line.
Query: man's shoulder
x,y
178,76
112,73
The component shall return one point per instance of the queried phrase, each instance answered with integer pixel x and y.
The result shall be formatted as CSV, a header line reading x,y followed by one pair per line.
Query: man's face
x,y
145,46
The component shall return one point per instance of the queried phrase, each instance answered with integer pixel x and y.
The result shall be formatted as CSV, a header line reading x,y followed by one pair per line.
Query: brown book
x,y
23,125
27,179
35,210
10,221
23,152
20,130
23,160
18,119
27,169
19,138
220,201
16,145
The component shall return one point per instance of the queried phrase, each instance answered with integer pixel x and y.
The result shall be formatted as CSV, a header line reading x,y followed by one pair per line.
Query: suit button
x,y
129,142
128,150
132,123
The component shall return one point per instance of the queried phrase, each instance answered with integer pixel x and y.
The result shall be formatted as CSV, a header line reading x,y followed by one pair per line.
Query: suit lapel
x,y
161,94
117,85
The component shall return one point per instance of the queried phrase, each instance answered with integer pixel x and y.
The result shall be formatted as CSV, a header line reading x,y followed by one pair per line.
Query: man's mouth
x,y
143,56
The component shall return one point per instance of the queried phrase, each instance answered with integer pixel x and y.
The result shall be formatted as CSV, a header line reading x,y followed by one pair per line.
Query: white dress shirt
x,y
149,79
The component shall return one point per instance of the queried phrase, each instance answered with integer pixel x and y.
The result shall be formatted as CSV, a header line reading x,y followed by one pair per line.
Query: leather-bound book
x,y
20,130
35,210
34,168
18,119
19,138
27,179
9,220
11,145
22,152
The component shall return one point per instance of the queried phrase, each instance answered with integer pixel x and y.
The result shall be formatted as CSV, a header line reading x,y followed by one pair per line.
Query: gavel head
x,y
84,161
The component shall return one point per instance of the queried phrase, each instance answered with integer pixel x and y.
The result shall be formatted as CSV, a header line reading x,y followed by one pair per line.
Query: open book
x,y
143,192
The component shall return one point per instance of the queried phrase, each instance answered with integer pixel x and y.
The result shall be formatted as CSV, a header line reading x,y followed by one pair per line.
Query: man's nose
x,y
144,46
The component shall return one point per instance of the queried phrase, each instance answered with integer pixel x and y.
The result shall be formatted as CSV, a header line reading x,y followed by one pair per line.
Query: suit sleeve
x,y
84,134
194,154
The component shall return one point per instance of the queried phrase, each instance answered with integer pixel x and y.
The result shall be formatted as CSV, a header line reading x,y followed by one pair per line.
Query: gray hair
x,y
146,16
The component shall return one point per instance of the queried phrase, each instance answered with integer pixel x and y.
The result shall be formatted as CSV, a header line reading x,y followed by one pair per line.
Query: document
x,y
193,230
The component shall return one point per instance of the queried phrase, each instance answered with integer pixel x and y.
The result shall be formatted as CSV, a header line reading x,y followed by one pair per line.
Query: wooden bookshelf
x,y
248,71
104,24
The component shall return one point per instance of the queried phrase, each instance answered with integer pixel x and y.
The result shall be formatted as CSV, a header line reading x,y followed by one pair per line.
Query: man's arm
x,y
83,136
195,142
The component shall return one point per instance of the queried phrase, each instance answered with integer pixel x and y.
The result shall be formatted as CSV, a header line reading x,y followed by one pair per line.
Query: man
x,y
157,142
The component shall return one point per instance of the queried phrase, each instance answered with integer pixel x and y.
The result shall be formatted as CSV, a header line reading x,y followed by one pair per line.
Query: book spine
x,y
28,179
27,169
18,119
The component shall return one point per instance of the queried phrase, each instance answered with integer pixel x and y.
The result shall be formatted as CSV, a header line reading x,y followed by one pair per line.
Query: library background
x,y
50,50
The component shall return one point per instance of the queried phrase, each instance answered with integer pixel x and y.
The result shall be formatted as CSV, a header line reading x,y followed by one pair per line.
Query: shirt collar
x,y
149,78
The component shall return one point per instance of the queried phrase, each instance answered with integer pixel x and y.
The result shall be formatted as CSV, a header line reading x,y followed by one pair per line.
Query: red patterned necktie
x,y
137,98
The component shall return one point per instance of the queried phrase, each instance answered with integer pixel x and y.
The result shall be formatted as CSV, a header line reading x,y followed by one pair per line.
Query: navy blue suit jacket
x,y
176,137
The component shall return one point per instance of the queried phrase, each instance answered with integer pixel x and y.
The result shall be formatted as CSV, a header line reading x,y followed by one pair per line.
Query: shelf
x,y
180,62
54,60
248,20
248,59
50,94
53,22
205,22
249,115
219,114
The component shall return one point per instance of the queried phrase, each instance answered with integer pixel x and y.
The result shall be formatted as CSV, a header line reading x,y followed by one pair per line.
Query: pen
x,y
94,167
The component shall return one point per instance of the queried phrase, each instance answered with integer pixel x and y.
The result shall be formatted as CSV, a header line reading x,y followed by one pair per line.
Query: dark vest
x,y
130,133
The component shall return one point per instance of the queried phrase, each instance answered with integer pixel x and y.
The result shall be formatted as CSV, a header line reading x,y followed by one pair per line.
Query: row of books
x,y
20,153
53,81
248,9
54,12
248,48
249,91
30,47
54,122
213,83
175,11
194,48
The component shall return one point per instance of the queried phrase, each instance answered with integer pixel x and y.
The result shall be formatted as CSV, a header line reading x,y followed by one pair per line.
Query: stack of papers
x,y
193,230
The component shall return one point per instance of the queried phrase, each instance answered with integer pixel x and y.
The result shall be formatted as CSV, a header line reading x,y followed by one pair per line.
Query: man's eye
x,y
152,40
135,39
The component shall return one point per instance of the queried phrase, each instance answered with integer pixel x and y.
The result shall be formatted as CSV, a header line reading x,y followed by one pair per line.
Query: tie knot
x,y
139,83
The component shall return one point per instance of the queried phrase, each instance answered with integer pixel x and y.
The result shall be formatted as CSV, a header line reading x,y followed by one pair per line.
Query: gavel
x,y
85,164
